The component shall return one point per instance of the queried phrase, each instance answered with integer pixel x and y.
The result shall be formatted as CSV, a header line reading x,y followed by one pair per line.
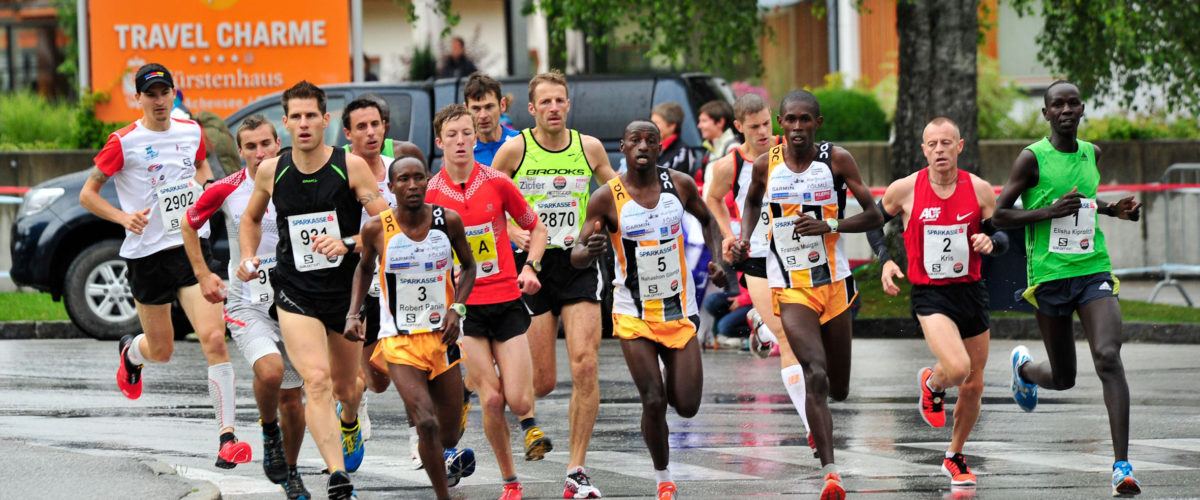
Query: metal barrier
x,y
1187,174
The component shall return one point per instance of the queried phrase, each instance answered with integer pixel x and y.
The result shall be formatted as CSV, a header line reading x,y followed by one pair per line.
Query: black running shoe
x,y
294,486
339,486
274,463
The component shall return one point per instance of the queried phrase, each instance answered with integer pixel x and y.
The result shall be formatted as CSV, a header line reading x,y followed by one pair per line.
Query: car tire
x,y
97,295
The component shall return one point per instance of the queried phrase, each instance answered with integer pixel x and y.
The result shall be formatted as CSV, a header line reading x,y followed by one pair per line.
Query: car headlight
x,y
37,200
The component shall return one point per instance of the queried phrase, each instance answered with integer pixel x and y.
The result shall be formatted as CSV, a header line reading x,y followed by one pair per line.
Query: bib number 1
x,y
1075,234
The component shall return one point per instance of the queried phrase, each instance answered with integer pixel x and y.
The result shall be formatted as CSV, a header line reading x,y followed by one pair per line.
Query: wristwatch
x,y
535,264
349,242
833,224
459,308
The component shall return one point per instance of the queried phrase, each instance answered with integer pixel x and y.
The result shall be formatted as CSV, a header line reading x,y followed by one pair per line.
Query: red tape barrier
x,y
1103,188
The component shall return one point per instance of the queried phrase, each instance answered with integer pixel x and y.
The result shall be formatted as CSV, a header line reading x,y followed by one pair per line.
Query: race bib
x,y
798,252
560,216
173,201
374,291
260,290
1075,233
303,231
420,300
483,247
659,273
946,251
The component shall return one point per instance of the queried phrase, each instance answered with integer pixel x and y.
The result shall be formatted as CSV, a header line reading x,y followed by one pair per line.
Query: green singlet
x,y
1071,246
386,151
556,184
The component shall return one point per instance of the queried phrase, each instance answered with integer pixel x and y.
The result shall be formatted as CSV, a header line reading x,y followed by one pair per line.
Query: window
x,y
602,108
399,116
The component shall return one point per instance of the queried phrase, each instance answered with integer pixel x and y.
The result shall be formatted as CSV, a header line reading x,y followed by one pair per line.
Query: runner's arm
x,y
1125,208
203,173
593,241
199,213
508,157
753,206
695,205
715,191
109,161
366,190
870,218
597,157
362,279
1025,176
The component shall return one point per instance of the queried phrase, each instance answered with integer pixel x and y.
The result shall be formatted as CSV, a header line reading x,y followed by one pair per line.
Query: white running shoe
x,y
363,419
414,445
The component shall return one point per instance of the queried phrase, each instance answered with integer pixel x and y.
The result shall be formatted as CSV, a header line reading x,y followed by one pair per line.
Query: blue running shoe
x,y
1124,484
1024,393
352,447
460,463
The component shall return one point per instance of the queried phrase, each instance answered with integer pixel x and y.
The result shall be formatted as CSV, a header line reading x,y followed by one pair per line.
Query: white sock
x,y
950,454
220,391
765,334
134,353
830,468
793,381
663,476
929,384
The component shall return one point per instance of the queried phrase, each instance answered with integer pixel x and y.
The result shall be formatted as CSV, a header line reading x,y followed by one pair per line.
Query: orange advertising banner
x,y
223,54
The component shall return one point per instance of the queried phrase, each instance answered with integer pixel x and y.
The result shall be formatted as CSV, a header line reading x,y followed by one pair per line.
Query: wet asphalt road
x,y
68,433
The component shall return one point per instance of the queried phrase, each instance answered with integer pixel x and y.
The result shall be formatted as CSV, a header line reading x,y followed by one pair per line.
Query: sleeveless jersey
x,y
804,261
743,171
937,238
308,205
416,275
555,184
1067,246
652,280
390,198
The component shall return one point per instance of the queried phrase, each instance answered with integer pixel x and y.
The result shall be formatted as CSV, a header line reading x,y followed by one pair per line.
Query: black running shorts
x,y
562,283
966,304
497,322
329,309
1062,297
753,266
156,278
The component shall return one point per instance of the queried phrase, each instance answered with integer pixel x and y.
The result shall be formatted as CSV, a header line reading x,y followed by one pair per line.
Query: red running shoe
x,y
129,375
666,491
833,488
956,468
233,453
932,409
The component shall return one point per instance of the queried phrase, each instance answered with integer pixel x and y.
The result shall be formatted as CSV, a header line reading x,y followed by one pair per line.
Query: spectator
x,y
669,117
457,64
730,309
716,127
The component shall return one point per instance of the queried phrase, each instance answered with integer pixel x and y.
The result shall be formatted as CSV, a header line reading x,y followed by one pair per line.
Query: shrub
x,y
1120,127
31,122
92,133
850,115
995,97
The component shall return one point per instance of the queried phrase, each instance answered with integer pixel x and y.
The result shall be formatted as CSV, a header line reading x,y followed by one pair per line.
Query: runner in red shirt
x,y
495,321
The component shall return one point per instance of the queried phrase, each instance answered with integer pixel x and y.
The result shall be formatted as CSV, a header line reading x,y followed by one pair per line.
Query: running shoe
x,y
129,375
537,445
352,447
414,446
812,445
1024,393
932,408
760,347
364,418
460,463
340,487
275,464
1124,484
462,426
666,491
956,468
294,486
512,491
578,485
833,489
233,453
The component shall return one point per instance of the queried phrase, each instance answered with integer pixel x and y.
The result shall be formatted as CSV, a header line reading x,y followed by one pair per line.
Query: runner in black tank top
x,y
296,194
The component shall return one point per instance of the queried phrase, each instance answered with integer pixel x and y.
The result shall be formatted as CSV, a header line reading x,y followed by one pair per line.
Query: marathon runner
x,y
418,337
1068,267
731,174
495,323
805,184
247,310
318,193
553,167
482,95
159,167
654,297
947,225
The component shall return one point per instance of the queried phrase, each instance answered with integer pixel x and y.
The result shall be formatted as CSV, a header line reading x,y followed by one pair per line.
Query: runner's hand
x,y
890,271
1127,209
808,226
246,274
981,243
716,274
597,243
354,330
519,237
528,281
329,246
727,248
135,222
1067,205
212,288
450,328
738,251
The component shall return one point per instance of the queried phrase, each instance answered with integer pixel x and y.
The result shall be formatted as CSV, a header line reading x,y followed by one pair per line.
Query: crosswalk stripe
x,y
230,484
850,461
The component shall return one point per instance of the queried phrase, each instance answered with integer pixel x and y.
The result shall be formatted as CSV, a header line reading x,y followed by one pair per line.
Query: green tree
x,y
1115,48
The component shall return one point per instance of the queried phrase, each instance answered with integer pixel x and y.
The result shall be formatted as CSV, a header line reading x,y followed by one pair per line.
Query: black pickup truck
x,y
60,248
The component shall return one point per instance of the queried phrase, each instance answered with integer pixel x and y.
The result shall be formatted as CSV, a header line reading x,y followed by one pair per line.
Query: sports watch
x,y
350,243
535,264
459,308
833,224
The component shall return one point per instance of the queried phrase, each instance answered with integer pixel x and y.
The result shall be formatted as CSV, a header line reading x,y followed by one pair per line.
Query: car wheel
x,y
97,295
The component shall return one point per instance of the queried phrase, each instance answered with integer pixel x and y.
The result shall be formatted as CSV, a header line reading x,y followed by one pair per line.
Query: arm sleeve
x,y
515,205
1000,243
111,157
212,199
876,238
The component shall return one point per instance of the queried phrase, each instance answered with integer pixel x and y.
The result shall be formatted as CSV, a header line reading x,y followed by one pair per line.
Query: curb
x,y
19,330
1027,329
201,490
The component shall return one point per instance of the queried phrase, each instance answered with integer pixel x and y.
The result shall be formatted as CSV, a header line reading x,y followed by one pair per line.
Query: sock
x,y
765,334
526,423
350,427
950,454
662,476
220,391
270,428
830,468
572,470
227,437
793,381
134,353
511,480
466,395
929,384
